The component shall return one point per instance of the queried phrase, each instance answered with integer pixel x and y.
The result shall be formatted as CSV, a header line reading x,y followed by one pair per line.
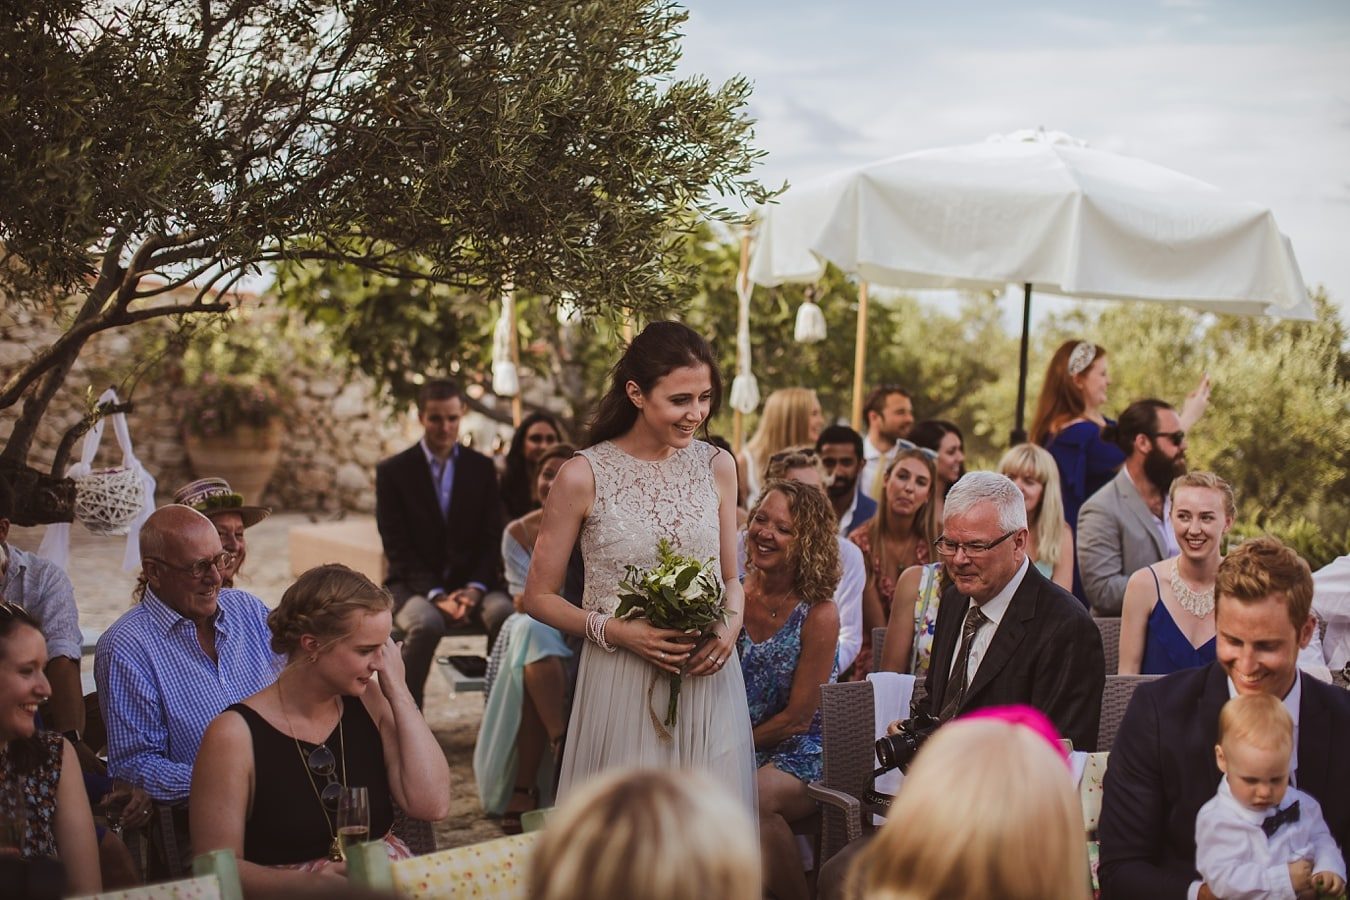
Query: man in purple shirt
x,y
183,653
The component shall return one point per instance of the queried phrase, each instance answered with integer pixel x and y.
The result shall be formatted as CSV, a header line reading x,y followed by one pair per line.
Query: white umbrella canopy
x,y
1038,209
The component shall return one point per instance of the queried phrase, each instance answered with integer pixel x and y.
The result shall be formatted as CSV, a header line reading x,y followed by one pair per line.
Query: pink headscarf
x,y
1027,717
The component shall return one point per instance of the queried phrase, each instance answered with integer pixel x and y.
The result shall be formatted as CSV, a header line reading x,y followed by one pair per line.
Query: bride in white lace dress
x,y
645,477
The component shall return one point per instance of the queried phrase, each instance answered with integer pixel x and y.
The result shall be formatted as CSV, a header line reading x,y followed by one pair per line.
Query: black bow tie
x,y
1285,816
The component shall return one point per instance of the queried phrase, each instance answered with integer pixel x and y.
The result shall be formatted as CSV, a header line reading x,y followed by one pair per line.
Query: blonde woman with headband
x,y
988,809
271,770
1049,541
649,833
791,417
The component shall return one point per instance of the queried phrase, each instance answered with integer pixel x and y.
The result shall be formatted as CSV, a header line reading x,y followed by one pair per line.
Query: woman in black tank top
x,y
270,769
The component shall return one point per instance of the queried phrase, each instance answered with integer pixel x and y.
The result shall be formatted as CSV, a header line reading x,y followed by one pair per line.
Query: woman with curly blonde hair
x,y
988,809
791,417
649,833
787,650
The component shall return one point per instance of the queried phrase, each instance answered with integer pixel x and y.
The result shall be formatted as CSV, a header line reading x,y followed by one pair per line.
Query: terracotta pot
x,y
246,457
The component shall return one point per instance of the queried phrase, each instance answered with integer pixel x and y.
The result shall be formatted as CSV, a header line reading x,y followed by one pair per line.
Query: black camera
x,y
896,751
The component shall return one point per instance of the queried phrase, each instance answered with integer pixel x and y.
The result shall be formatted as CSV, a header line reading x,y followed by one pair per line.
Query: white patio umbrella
x,y
1041,210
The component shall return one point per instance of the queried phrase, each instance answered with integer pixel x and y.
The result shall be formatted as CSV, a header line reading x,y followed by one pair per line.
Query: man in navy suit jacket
x,y
840,449
1162,767
439,517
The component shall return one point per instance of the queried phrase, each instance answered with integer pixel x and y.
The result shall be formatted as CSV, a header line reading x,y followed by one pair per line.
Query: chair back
x,y
1109,626
848,741
491,870
1115,698
418,834
216,878
878,641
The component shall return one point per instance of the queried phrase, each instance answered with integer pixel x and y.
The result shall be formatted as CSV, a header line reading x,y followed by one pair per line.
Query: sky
x,y
1252,97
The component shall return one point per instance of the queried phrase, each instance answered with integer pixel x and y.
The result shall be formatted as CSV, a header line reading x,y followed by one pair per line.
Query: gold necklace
x,y
335,848
781,598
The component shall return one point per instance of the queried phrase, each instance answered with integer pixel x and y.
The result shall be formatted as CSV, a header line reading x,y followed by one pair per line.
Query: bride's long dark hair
x,y
661,348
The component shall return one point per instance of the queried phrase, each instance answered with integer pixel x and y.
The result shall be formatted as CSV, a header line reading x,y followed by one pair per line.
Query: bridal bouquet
x,y
680,592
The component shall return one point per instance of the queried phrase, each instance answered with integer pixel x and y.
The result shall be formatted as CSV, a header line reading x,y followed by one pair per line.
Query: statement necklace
x,y
1197,603
335,848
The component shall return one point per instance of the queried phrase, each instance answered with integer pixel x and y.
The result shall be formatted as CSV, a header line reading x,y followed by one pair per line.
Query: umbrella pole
x,y
859,357
1019,432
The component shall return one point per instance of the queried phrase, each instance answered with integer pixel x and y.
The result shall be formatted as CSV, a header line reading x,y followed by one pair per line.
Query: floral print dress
x,y
37,792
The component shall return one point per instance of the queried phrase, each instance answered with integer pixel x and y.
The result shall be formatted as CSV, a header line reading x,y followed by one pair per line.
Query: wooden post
x,y
742,317
860,357
517,404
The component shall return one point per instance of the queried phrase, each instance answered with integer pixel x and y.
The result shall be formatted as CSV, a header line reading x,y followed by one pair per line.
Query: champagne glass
x,y
113,806
353,818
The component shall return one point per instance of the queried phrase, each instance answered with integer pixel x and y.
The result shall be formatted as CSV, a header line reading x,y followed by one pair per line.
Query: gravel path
x,y
103,592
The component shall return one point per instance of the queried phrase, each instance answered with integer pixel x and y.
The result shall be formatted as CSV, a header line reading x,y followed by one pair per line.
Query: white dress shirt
x,y
1239,862
993,611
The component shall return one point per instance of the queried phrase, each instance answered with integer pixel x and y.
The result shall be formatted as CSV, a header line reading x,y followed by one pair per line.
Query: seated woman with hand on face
x,y
787,649
271,770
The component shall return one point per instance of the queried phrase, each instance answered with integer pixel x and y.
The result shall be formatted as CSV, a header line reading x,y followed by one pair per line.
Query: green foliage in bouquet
x,y
680,592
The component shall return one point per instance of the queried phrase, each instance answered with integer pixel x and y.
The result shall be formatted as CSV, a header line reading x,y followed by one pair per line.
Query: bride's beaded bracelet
x,y
595,629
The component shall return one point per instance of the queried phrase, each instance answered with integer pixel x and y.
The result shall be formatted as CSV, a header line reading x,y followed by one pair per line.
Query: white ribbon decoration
x,y
744,388
505,378
56,542
810,326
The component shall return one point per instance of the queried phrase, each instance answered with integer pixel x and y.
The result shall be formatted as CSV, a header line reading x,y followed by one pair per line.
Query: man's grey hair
x,y
975,488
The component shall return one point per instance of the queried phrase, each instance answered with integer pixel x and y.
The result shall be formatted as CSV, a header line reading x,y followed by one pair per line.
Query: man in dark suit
x,y
1004,633
1162,767
439,517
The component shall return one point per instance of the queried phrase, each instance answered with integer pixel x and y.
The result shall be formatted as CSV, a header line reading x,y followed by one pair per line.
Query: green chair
x,y
216,878
491,870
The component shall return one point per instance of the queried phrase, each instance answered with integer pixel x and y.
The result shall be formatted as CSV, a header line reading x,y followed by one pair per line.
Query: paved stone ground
x,y
103,592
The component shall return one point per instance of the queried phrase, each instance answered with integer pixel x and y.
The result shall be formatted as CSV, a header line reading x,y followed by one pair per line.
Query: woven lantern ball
x,y
108,500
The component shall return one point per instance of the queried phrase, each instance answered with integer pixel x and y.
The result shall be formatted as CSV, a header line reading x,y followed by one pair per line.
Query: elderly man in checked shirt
x,y
169,665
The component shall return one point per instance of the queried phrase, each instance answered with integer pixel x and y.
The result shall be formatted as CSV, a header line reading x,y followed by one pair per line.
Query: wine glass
x,y
353,818
114,804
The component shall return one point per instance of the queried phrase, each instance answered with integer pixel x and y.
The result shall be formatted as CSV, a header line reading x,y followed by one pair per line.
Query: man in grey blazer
x,y
1125,526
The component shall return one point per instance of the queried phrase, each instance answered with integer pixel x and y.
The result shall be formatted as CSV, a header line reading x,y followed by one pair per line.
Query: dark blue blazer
x,y
1162,770
865,510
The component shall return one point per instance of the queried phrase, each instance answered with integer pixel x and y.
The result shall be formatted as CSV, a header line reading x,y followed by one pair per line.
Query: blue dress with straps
x,y
1166,649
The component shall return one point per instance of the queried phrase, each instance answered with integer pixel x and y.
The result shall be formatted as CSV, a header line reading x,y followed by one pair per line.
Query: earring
x,y
313,657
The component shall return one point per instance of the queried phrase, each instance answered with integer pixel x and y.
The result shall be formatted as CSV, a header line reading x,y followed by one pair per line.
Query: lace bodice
x,y
639,502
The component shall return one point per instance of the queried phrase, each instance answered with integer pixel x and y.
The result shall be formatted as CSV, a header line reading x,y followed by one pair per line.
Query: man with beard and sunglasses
x,y
1124,526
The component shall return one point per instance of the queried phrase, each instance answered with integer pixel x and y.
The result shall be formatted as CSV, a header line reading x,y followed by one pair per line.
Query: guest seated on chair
x,y
1167,623
272,768
1163,766
526,712
537,433
840,449
1049,540
213,498
787,650
40,782
171,664
649,834
988,809
899,536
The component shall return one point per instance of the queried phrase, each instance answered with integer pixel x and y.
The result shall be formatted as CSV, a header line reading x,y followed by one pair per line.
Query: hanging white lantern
x,y
567,309
744,393
505,379
744,387
810,321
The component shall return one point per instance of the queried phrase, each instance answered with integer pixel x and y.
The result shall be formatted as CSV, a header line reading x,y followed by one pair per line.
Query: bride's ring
x,y
661,653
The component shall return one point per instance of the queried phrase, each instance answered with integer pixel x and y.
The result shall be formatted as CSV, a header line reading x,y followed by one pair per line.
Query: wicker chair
x,y
878,642
1110,629
848,738
419,835
1115,697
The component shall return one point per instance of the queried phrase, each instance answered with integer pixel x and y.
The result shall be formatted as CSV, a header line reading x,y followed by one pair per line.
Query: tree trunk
x,y
35,406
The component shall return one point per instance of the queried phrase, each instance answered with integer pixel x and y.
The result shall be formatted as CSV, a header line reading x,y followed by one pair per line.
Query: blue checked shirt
x,y
158,689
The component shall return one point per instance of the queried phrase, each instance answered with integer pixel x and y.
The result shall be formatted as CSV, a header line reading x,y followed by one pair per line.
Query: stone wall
x,y
336,433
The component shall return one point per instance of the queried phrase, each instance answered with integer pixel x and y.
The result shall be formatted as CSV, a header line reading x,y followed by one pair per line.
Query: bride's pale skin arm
x,y
724,647
1134,610
569,502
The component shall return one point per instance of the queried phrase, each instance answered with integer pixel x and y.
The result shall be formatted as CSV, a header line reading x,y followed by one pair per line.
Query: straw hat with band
x,y
210,496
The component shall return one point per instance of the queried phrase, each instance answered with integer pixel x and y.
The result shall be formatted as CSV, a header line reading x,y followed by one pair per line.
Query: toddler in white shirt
x,y
1258,837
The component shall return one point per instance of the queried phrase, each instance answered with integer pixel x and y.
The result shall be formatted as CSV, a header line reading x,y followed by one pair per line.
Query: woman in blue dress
x,y
526,713
787,651
1167,619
